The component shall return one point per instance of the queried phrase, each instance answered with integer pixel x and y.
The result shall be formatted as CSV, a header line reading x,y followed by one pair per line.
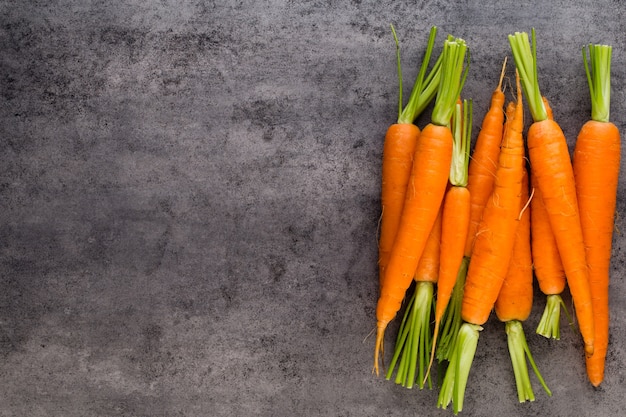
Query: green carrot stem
x,y
454,73
599,80
526,62
519,351
549,324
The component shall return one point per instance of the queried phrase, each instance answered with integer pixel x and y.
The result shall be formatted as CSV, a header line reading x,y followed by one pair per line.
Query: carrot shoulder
x,y
596,170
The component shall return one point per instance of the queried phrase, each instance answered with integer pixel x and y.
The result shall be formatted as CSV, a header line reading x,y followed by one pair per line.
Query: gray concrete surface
x,y
189,196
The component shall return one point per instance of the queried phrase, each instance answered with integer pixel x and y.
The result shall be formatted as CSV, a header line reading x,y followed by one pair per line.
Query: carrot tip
x,y
378,349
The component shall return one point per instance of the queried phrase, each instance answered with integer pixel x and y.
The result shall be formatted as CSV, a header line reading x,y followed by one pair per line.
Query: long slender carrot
x,y
596,170
550,162
455,215
414,336
399,148
484,160
489,263
547,265
427,185
515,302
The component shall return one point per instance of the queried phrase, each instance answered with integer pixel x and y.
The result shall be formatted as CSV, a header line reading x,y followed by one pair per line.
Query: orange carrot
x,y
489,262
515,299
427,185
596,170
515,302
484,160
550,162
414,336
547,265
455,215
399,148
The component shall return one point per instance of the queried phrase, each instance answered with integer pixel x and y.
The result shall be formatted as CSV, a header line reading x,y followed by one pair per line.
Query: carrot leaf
x,y
424,89
599,79
399,66
519,351
454,73
526,62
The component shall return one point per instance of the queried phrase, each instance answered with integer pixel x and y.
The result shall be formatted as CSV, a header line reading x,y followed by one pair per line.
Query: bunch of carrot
x,y
481,229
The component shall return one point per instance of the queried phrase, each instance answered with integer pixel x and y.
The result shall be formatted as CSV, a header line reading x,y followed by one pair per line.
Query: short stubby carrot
x,y
551,164
596,171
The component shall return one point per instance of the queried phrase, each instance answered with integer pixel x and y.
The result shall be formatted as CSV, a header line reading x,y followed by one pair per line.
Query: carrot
x,y
515,302
455,215
399,147
547,265
427,185
414,336
489,262
484,160
596,170
481,173
550,162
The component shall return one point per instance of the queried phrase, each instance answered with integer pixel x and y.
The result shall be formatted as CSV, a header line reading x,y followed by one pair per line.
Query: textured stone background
x,y
189,196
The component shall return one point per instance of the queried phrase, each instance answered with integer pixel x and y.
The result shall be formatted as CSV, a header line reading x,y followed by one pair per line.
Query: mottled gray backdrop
x,y
189,197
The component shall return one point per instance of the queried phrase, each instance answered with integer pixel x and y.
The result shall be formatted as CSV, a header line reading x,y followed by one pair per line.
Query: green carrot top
x,y
454,73
599,79
424,88
526,63
461,132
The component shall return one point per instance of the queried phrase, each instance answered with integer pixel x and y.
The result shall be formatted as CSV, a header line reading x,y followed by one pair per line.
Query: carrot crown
x,y
461,132
526,63
424,88
599,79
454,73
